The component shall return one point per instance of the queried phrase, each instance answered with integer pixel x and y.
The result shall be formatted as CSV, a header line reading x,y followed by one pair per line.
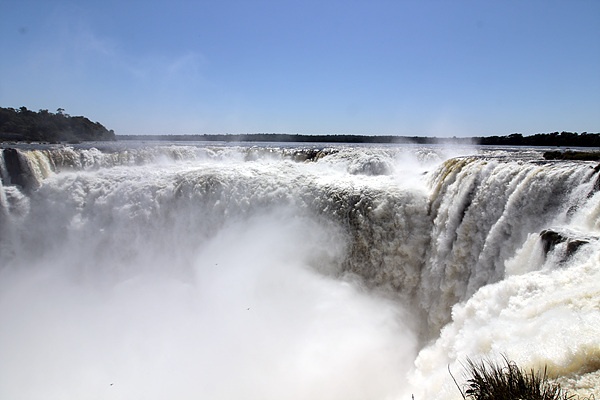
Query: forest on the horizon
x,y
554,139
24,125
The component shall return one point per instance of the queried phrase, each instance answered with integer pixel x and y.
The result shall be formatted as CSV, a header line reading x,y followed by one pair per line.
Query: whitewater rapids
x,y
185,271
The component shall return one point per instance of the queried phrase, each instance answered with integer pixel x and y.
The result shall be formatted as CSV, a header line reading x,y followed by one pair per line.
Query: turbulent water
x,y
144,271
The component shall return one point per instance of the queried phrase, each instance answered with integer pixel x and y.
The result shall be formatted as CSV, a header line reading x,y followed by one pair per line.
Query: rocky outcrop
x,y
14,166
551,238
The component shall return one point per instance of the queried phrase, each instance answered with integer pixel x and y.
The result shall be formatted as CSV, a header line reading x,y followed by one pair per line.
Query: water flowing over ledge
x,y
246,263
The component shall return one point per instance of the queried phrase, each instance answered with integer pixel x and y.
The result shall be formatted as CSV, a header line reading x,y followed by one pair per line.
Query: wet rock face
x,y
18,169
551,238
14,167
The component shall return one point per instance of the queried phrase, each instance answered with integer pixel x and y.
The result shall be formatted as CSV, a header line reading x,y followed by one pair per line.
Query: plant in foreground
x,y
489,380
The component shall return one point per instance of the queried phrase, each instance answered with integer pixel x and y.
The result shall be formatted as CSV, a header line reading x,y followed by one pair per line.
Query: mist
x,y
256,311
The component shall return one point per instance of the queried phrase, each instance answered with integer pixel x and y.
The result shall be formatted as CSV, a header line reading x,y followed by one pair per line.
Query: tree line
x,y
562,139
554,139
281,138
43,126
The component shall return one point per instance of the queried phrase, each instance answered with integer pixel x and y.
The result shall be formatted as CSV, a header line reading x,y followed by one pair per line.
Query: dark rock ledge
x,y
553,237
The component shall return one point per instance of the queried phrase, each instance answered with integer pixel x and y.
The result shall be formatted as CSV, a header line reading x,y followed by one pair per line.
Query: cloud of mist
x,y
261,314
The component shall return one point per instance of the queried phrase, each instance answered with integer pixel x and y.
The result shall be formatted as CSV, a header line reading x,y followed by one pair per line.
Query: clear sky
x,y
425,68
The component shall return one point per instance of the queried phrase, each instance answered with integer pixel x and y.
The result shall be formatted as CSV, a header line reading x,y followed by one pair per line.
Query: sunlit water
x,y
186,271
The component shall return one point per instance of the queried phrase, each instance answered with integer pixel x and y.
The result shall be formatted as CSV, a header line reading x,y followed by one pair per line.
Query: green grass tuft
x,y
489,380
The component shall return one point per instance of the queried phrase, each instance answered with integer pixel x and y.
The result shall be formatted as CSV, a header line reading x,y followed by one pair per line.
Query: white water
x,y
227,272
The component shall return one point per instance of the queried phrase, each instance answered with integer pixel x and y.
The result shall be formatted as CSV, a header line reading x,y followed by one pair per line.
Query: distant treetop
x,y
563,139
43,126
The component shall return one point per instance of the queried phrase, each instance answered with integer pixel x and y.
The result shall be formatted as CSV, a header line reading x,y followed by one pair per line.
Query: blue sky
x,y
425,68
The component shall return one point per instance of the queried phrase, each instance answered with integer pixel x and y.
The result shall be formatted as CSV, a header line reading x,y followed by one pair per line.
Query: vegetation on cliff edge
x,y
488,380
43,126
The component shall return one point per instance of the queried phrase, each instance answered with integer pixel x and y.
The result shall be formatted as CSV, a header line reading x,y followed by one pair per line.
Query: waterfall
x,y
268,268
482,211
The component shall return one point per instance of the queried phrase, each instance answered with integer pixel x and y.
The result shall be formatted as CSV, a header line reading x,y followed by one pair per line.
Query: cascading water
x,y
496,287
482,212
135,271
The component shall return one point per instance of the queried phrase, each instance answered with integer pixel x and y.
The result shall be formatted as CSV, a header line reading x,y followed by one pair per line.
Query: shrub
x,y
489,380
